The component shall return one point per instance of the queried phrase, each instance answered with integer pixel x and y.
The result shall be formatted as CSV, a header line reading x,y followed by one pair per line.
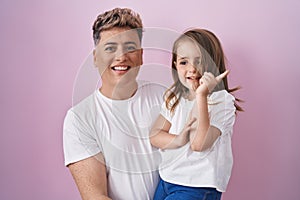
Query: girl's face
x,y
188,64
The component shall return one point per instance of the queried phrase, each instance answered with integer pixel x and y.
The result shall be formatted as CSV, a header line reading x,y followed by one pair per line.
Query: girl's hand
x,y
208,82
183,137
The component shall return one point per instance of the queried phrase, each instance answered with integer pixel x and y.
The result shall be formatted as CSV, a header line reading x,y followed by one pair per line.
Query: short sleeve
x,y
78,140
222,111
165,112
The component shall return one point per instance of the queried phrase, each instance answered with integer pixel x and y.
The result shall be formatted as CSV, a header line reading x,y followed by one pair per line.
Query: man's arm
x,y
90,177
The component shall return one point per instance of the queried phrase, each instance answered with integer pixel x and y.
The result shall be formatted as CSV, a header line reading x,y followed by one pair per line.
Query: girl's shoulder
x,y
220,96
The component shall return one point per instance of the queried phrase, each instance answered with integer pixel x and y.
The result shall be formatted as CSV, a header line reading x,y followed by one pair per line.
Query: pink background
x,y
44,43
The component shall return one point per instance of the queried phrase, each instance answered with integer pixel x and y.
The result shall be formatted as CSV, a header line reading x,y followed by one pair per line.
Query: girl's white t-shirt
x,y
212,167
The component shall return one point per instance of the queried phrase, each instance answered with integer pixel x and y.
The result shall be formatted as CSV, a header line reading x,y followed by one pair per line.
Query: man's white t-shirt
x,y
210,168
119,129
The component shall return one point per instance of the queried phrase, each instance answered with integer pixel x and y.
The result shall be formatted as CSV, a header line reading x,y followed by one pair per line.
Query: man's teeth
x,y
120,68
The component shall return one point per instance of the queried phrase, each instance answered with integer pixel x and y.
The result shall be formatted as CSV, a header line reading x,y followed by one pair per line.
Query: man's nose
x,y
121,54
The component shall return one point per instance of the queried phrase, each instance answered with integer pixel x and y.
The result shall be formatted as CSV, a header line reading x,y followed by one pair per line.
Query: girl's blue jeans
x,y
169,191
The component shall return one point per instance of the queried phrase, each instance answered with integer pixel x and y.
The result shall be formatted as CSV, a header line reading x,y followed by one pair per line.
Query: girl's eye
x,y
182,62
197,62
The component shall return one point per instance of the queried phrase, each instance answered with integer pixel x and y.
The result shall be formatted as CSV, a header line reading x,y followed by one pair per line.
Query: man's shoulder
x,y
154,88
85,105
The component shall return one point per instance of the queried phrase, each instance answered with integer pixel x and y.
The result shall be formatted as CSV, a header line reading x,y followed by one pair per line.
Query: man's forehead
x,y
119,35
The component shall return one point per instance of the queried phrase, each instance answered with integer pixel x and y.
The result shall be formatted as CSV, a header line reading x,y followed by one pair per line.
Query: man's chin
x,y
127,78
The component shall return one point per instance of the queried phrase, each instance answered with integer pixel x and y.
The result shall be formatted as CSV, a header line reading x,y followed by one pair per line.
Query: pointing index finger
x,y
221,76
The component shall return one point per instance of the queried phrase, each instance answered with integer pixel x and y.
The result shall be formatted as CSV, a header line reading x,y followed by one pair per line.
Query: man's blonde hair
x,y
118,17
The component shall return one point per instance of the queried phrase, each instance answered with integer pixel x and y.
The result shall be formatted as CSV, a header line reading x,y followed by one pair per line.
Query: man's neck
x,y
119,91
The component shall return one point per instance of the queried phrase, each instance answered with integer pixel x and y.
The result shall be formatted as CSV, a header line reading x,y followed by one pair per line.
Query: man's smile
x,y
120,68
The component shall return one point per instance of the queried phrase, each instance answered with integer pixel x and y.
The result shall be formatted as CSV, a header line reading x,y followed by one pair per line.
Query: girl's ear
x,y
174,62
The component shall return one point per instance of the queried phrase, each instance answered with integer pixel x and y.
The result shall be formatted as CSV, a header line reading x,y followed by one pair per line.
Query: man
x,y
106,136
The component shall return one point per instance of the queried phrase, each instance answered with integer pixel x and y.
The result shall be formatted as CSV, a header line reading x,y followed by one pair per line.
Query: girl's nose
x,y
191,68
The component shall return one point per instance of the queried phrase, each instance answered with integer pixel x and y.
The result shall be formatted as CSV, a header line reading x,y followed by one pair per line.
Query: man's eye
x,y
110,48
130,48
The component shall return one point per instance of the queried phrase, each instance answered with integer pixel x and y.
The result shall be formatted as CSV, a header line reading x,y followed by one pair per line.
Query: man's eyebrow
x,y
130,42
115,43
110,43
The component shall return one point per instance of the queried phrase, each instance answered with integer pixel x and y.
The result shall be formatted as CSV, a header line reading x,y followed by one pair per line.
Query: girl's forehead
x,y
188,48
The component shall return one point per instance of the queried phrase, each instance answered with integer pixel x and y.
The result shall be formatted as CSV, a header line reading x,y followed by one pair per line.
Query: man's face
x,y
118,55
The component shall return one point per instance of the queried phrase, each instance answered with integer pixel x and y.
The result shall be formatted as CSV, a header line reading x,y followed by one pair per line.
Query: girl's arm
x,y
204,135
161,138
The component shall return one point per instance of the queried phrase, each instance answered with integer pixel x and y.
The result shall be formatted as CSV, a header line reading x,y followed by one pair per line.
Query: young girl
x,y
195,126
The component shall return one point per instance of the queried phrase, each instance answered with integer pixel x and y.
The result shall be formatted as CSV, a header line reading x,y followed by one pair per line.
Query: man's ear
x,y
142,52
94,55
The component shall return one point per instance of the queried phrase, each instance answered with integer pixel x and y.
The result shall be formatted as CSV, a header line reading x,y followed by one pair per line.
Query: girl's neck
x,y
191,95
